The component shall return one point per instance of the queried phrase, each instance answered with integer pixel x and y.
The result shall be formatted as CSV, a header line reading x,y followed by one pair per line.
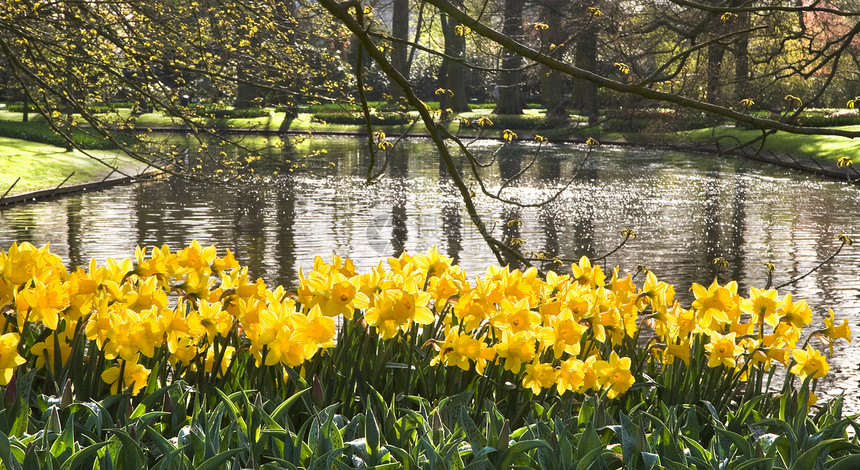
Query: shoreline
x,y
61,190
805,163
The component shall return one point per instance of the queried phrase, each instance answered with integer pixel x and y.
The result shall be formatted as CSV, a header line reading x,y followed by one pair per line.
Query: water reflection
x,y
399,164
285,254
686,210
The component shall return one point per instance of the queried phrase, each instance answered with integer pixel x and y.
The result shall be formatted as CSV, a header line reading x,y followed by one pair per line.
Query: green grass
x,y
43,166
819,146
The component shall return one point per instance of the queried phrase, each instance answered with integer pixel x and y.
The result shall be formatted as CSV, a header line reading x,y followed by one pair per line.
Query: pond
x,y
686,209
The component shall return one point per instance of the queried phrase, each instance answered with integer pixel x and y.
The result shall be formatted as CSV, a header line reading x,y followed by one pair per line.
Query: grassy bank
x,y
824,147
42,166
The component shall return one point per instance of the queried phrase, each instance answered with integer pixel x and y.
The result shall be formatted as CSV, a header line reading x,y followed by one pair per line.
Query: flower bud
x,y
317,393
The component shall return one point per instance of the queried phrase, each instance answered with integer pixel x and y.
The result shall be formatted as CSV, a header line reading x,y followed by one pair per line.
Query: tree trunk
x,y
584,96
715,65
286,11
742,61
552,95
509,78
399,52
452,75
25,115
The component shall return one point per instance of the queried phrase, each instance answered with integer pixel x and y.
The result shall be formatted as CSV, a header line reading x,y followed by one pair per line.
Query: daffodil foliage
x,y
416,324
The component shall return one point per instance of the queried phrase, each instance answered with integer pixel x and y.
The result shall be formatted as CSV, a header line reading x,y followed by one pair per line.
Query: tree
x,y
452,73
70,57
399,50
510,101
552,37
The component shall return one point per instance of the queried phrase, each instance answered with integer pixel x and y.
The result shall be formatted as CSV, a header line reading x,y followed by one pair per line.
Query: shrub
x,y
232,113
18,107
510,121
830,121
642,120
357,118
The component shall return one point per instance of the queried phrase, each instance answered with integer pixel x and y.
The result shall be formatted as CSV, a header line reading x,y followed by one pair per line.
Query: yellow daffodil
x,y
586,274
316,330
832,331
146,296
45,351
458,349
134,375
196,257
443,288
182,351
679,349
796,314
209,321
516,316
396,309
565,334
226,359
715,306
809,362
226,263
722,350
516,349
572,375
433,264
44,302
762,304
132,333
539,376
472,309
9,357
336,294
614,375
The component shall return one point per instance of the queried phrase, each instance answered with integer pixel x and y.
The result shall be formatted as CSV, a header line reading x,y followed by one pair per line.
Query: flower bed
x,y
509,347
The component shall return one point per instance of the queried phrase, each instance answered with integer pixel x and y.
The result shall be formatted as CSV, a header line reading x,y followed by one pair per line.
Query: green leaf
x,y
287,404
589,441
474,437
849,462
213,436
130,452
629,447
6,453
83,456
219,459
64,446
506,460
754,464
31,460
589,458
23,385
651,459
808,458
696,450
101,415
742,444
234,411
280,465
323,460
402,456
